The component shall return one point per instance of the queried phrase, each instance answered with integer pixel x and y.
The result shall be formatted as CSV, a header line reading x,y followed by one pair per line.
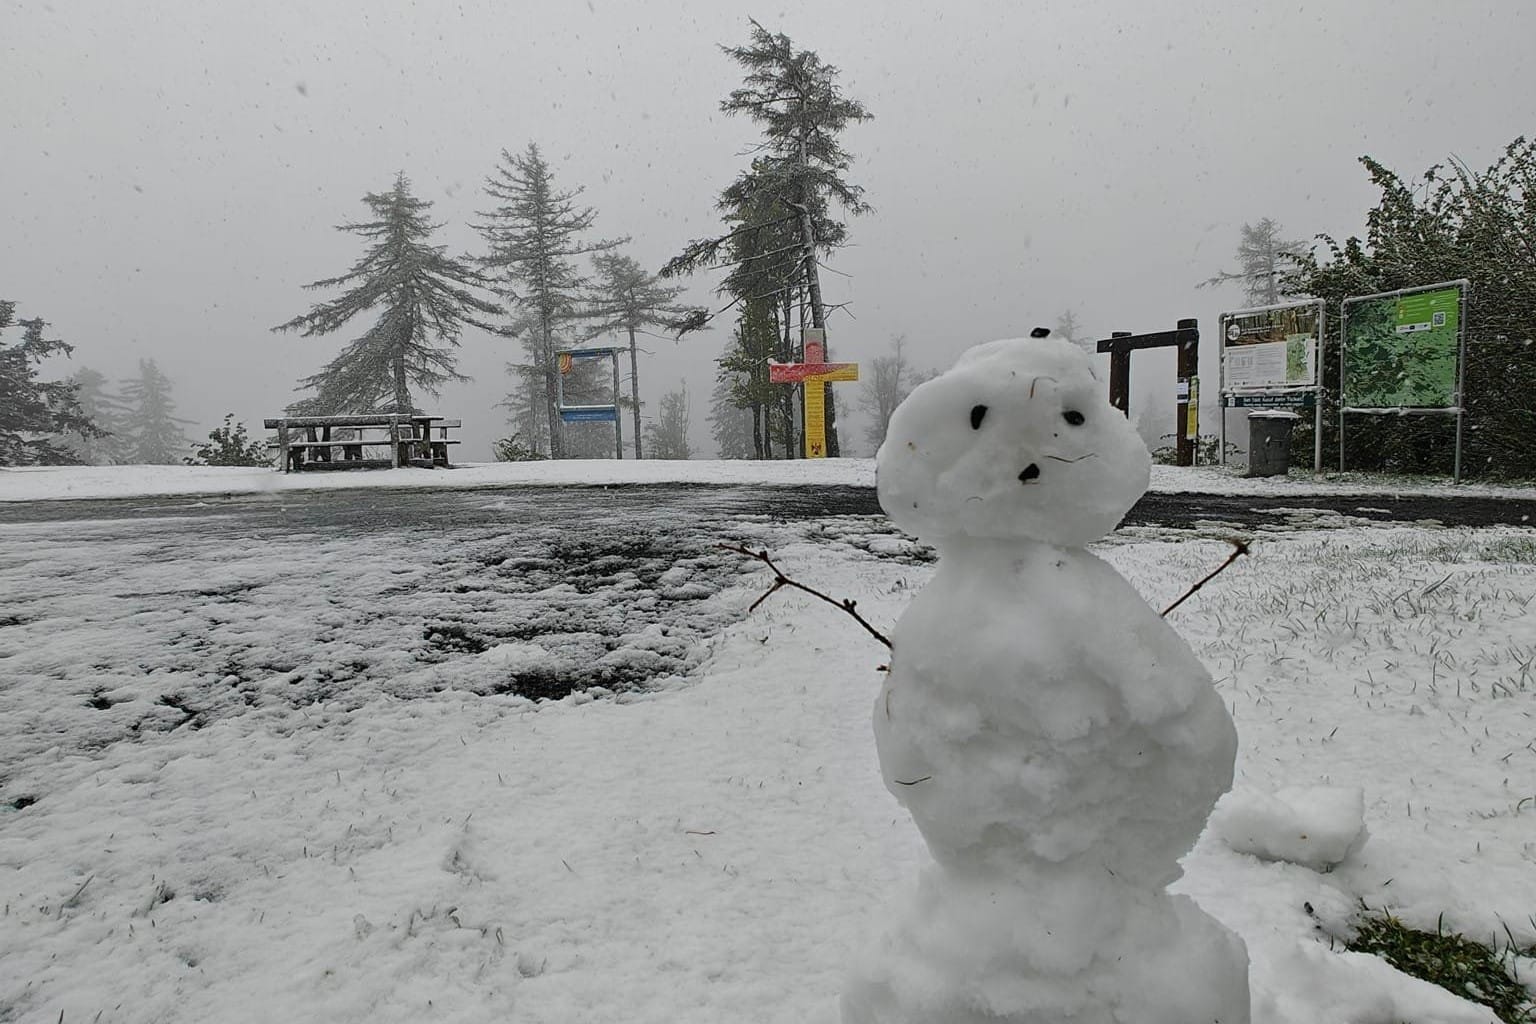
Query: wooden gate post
x,y
1120,375
1188,370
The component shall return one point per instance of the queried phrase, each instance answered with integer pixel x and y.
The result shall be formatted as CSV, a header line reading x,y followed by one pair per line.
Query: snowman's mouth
x,y
1030,475
1080,458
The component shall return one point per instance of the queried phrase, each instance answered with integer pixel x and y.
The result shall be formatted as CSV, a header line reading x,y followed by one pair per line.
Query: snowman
x,y
1056,743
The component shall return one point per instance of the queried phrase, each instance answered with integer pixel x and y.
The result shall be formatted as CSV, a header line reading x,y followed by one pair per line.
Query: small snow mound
x,y
1315,826
1314,983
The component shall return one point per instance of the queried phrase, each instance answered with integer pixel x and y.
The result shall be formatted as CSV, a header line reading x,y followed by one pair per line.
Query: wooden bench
x,y
409,439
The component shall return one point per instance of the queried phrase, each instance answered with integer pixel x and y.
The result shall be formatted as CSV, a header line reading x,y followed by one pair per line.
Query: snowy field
x,y
42,483
269,785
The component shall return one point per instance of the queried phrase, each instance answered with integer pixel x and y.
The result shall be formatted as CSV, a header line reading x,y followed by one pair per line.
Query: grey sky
x,y
171,169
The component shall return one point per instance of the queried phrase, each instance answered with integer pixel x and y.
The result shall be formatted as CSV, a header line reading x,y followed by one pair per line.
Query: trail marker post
x,y
813,373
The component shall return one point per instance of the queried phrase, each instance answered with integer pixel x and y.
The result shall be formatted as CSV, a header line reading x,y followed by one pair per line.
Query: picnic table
x,y
408,438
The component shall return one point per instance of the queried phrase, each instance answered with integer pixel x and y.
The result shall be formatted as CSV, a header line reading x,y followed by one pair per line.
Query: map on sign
x,y
1403,351
1271,348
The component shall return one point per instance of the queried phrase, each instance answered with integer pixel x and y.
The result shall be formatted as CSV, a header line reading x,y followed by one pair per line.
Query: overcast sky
x,y
171,171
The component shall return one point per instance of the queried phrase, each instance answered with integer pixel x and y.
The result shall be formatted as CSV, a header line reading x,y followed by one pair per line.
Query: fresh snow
x,y
717,848
46,483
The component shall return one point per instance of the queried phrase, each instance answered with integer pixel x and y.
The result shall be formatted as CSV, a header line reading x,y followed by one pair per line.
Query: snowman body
x,y
1057,744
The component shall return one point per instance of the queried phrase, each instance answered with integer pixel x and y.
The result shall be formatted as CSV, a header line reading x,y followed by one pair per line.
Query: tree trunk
x,y
818,316
634,387
618,428
402,392
787,355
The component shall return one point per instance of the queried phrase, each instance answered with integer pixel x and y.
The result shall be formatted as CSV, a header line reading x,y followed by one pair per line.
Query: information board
x,y
1402,350
1275,347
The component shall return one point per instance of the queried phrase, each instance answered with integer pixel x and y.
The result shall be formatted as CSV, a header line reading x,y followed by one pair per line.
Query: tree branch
x,y
780,580
1239,548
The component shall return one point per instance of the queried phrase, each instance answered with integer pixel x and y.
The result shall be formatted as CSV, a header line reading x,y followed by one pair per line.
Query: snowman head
x,y
1015,442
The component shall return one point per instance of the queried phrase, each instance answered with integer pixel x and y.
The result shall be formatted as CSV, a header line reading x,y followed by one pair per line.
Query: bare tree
x,y
1068,329
888,381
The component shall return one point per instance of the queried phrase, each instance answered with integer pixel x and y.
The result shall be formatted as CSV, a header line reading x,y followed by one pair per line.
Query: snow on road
x,y
44,483
406,844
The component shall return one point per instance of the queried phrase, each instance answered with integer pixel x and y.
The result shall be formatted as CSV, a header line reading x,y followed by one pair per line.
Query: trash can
x,y
1269,442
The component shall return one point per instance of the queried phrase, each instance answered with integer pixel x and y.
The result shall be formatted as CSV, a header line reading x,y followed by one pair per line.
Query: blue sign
x,y
589,413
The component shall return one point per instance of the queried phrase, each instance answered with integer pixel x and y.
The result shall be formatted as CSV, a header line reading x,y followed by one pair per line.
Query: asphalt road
x,y
366,509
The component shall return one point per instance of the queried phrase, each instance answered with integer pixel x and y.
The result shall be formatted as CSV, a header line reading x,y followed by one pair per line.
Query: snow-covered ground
x,y
335,817
43,483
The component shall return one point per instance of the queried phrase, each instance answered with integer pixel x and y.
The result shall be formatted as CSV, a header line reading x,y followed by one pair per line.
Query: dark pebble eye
x,y
978,413
1073,417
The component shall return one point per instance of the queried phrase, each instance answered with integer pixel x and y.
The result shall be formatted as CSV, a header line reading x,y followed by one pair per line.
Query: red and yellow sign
x,y
813,373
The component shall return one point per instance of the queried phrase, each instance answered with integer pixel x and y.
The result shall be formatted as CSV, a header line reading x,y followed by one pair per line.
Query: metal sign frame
x,y
590,413
1457,407
1273,395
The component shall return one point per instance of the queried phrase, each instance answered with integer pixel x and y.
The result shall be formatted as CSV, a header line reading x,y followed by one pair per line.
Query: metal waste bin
x,y
1269,442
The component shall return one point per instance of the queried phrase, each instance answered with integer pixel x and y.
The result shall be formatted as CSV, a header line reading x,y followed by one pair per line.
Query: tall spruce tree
x,y
1263,259
791,187
628,299
745,366
729,423
34,412
534,237
152,433
424,298
105,410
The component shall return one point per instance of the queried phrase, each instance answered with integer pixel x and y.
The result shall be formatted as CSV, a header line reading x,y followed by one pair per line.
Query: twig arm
x,y
780,580
1239,548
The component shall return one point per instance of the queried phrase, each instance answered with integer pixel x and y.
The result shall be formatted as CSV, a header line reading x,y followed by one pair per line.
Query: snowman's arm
x,y
780,580
1239,548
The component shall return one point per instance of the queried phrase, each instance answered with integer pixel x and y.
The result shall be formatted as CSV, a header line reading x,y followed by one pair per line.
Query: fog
x,y
172,172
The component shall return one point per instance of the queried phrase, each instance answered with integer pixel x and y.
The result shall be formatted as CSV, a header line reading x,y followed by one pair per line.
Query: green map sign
x,y
1401,351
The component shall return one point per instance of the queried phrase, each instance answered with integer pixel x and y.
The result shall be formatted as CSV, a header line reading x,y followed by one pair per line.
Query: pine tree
x,y
629,299
151,432
424,298
1263,258
667,434
729,423
106,411
534,238
31,409
745,365
781,206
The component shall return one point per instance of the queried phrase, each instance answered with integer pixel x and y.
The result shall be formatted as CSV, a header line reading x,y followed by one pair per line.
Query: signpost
x,y
813,373
590,413
1404,352
1270,359
1186,338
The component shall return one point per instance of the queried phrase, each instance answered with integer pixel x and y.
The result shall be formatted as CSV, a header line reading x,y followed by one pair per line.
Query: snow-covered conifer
x,y
423,296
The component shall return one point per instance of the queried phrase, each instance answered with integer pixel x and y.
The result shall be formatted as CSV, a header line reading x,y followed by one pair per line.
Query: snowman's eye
x,y
978,413
1073,417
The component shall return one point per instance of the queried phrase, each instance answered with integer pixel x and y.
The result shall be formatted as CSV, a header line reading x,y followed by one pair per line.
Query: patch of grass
x,y
1456,963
